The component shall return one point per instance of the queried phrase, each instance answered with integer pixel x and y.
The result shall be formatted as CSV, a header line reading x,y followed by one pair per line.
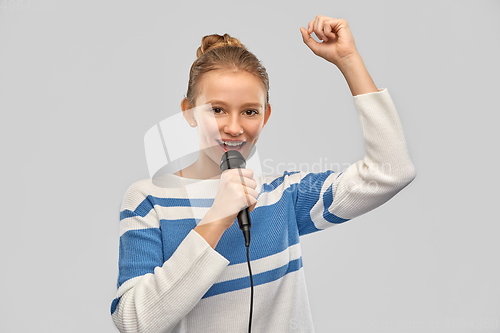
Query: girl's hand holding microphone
x,y
236,191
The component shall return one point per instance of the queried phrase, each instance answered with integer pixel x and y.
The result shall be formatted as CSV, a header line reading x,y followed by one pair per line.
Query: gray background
x,y
81,83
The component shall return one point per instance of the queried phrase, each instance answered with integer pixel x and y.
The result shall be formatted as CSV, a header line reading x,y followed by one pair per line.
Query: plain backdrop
x,y
82,82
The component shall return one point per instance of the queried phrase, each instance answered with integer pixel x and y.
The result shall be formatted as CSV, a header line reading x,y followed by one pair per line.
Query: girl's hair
x,y
223,52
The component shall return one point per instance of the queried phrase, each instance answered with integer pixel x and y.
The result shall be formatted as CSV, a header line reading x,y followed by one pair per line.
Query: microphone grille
x,y
232,159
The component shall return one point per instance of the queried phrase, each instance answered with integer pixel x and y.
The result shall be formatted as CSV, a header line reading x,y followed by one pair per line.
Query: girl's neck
x,y
201,170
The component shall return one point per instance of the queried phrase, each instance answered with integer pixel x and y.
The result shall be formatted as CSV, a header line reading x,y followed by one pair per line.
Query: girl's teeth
x,y
233,144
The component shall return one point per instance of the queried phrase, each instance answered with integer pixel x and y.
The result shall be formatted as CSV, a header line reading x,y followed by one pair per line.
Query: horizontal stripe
x,y
261,265
141,210
258,279
174,213
181,202
273,192
235,277
136,222
148,204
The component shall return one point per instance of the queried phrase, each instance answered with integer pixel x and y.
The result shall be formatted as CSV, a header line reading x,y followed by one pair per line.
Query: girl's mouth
x,y
231,145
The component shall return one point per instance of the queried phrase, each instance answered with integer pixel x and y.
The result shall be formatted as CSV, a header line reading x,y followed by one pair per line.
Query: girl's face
x,y
237,114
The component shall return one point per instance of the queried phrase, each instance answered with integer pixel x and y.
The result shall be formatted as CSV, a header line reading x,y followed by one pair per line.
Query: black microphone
x,y
232,159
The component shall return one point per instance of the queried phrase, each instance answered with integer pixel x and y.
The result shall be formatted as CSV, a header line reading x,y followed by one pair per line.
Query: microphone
x,y
232,159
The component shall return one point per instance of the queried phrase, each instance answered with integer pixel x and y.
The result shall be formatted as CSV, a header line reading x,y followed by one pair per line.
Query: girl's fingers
x,y
325,27
318,28
252,193
248,182
336,32
250,209
310,27
308,40
238,172
251,198
327,30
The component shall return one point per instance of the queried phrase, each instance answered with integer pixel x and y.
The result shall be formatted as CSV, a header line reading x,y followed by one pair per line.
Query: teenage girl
x,y
182,261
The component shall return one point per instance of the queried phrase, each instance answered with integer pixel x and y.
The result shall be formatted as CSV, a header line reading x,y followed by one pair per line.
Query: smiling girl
x,y
182,264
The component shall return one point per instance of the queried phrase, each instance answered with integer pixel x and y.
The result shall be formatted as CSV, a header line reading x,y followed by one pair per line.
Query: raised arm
x,y
386,167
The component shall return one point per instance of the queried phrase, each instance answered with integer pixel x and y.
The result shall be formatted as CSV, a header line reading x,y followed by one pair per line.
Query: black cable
x,y
251,291
232,159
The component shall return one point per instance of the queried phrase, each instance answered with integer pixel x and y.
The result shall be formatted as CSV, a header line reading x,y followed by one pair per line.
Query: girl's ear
x,y
267,113
187,112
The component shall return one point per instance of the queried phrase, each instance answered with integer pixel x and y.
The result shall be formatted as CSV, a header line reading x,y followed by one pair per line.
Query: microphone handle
x,y
245,225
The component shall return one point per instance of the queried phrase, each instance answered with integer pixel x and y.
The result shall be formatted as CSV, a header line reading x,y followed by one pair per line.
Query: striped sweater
x,y
171,280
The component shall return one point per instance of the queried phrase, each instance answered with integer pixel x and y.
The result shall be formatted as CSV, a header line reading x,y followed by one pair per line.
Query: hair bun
x,y
214,41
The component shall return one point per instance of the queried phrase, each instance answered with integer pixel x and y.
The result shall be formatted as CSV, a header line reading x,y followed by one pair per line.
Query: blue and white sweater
x,y
171,280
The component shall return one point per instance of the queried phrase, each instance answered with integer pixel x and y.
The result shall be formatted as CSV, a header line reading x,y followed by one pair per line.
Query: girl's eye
x,y
251,112
217,110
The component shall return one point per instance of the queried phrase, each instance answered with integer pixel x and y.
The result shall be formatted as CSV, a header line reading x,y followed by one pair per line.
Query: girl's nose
x,y
233,127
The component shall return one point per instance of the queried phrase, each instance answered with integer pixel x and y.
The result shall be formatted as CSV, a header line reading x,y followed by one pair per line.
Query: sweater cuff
x,y
381,90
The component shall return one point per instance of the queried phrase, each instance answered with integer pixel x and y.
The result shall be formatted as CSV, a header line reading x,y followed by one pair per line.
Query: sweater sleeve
x,y
153,295
325,199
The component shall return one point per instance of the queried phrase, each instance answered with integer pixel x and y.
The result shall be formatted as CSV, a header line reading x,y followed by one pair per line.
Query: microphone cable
x,y
232,159
251,290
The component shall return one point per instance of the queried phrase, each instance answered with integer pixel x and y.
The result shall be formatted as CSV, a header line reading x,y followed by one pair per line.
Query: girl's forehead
x,y
236,86
233,76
